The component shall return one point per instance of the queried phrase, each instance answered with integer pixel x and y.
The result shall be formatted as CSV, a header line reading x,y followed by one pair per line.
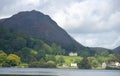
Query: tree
x,y
60,60
102,59
42,60
47,48
113,57
26,54
18,43
57,50
41,54
84,64
93,61
50,64
85,52
50,57
102,53
42,64
3,57
13,60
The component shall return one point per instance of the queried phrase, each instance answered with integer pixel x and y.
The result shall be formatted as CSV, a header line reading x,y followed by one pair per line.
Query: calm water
x,y
56,72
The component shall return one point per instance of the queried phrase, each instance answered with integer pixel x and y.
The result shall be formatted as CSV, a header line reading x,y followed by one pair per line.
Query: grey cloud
x,y
79,18
106,21
107,39
6,3
116,4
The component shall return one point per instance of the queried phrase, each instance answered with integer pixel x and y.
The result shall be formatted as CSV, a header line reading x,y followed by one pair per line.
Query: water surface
x,y
56,72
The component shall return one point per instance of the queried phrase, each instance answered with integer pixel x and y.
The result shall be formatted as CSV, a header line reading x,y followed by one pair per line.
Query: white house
x,y
64,65
73,64
117,64
104,65
72,54
114,64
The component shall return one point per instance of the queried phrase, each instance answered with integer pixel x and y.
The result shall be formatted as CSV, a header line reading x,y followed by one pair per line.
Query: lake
x,y
56,72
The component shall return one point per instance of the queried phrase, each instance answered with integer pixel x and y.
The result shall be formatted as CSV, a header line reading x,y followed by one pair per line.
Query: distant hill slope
x,y
42,26
117,50
98,48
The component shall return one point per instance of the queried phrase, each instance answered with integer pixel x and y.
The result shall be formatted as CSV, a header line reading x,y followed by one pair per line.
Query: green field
x,y
70,59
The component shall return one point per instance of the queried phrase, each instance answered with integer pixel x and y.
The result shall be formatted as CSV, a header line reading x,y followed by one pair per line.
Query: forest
x,y
23,50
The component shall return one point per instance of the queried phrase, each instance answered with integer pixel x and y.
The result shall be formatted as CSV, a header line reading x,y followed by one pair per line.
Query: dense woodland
x,y
23,50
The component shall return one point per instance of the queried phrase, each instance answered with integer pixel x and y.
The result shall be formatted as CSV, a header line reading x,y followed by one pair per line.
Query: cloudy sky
x,y
93,23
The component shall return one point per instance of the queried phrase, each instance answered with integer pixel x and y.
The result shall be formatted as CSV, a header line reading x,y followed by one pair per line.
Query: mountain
x,y
101,51
117,50
41,26
98,48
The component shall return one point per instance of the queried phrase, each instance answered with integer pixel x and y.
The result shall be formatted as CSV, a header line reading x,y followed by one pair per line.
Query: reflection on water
x,y
26,75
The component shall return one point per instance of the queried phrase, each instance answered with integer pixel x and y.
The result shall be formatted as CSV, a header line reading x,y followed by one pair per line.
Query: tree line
x,y
17,48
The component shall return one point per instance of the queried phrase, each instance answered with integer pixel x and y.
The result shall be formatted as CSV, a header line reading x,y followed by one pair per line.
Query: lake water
x,y
56,72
